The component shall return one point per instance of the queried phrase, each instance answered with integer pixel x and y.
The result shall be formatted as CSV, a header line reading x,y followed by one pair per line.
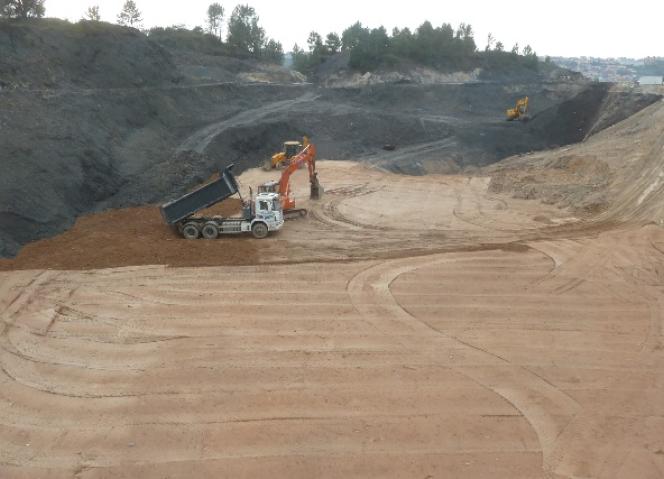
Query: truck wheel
x,y
259,230
190,231
210,231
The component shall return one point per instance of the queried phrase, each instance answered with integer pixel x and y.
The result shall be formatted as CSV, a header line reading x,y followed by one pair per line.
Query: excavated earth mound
x,y
131,237
46,54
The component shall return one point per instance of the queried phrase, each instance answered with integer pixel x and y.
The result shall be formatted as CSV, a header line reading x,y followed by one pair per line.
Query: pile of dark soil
x,y
197,67
571,120
133,237
620,105
52,53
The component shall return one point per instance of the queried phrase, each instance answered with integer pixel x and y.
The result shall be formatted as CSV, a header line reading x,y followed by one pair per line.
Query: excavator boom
x,y
306,157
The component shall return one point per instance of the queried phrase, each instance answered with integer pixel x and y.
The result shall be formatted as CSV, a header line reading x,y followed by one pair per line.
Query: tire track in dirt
x,y
347,393
599,320
370,293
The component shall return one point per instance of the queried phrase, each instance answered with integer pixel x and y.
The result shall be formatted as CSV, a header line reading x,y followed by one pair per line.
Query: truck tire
x,y
190,231
259,230
210,231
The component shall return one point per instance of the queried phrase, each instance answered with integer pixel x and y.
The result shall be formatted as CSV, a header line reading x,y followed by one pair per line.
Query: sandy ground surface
x,y
465,334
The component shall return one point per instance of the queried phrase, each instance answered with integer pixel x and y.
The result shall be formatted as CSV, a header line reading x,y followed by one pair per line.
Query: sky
x,y
555,27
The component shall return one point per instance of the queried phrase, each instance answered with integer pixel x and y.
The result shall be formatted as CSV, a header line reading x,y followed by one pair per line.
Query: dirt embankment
x,y
132,237
615,175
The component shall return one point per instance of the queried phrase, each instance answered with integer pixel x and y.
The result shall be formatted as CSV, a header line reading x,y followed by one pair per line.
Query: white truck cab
x,y
267,209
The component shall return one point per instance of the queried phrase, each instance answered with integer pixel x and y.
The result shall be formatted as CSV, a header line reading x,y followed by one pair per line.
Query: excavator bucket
x,y
316,188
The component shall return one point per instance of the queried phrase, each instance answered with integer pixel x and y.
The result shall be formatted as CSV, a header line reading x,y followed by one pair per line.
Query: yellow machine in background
x,y
282,159
520,110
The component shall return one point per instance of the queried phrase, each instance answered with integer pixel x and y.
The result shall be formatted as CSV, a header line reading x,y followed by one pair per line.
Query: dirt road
x,y
539,356
200,140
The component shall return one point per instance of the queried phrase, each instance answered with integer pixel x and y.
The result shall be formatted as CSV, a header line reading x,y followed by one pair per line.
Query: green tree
x,y
515,49
315,42
22,8
530,58
300,59
130,16
318,51
467,44
403,44
92,14
245,36
215,16
499,47
428,44
273,52
371,50
351,36
490,40
333,43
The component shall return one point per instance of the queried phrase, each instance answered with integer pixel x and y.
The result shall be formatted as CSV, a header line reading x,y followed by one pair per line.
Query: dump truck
x,y
260,216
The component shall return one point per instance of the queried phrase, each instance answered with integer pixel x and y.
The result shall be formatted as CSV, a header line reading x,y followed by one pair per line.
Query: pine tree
x,y
130,16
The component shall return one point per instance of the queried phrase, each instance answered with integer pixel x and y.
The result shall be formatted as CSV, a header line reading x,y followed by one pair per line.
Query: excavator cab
x,y
291,148
269,187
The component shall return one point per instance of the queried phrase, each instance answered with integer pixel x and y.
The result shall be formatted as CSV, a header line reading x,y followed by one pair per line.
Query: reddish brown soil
x,y
133,237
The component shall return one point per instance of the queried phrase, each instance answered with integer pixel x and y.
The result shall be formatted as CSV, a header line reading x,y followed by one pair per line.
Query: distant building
x,y
651,80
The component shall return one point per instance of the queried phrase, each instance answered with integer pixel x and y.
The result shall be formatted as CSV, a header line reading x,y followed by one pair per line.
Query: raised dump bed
x,y
260,217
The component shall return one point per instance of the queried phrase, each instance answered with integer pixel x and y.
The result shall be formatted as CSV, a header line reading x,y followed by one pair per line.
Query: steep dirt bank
x,y
615,175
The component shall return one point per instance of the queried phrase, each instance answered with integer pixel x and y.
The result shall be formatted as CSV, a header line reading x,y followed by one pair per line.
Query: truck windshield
x,y
263,205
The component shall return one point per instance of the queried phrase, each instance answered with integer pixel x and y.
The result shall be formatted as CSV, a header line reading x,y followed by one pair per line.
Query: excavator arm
x,y
283,187
306,156
520,110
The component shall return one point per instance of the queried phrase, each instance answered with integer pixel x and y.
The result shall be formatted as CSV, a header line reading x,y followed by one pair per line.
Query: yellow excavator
x,y
520,110
282,159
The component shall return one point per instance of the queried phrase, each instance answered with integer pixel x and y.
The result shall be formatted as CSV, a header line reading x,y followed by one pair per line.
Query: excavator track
x,y
295,214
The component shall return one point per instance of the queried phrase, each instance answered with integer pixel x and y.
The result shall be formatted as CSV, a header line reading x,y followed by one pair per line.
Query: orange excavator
x,y
306,157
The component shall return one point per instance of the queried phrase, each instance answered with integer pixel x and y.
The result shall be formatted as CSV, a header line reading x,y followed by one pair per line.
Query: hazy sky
x,y
555,27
